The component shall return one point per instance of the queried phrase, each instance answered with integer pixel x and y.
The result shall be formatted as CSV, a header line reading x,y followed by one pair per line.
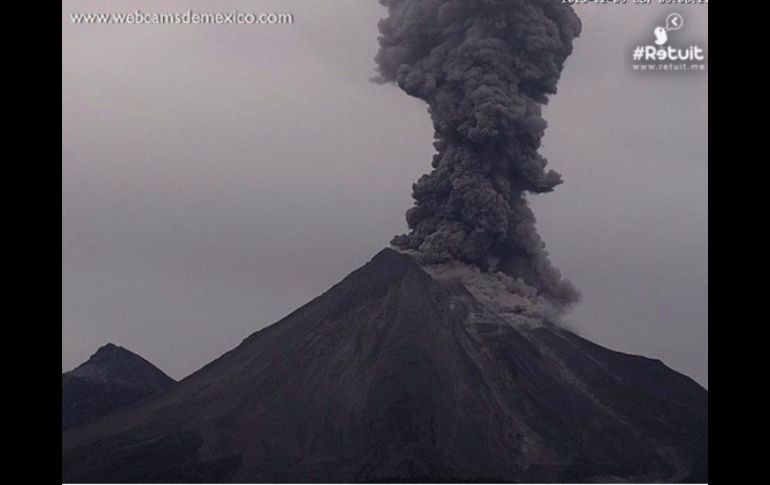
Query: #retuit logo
x,y
666,52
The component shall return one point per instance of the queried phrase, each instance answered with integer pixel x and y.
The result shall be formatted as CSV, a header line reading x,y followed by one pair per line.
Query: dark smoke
x,y
484,67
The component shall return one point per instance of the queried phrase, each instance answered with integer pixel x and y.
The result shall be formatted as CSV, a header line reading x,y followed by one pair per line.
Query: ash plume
x,y
485,68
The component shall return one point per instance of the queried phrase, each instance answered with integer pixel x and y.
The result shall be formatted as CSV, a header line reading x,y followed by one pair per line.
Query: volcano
x,y
397,374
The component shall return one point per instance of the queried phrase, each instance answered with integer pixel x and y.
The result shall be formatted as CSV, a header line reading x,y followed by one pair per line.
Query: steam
x,y
484,67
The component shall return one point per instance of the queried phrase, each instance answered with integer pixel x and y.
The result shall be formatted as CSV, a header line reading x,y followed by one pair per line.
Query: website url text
x,y
189,17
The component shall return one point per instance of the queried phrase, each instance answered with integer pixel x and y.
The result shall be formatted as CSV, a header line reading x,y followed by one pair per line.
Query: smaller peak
x,y
110,351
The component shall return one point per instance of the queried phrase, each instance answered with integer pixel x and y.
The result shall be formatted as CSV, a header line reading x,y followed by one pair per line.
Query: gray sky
x,y
217,177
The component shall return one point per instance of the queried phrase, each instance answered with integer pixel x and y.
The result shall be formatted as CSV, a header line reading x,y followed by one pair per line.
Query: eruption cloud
x,y
485,68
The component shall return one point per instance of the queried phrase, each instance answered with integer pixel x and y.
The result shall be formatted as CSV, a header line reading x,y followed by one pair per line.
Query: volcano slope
x,y
394,375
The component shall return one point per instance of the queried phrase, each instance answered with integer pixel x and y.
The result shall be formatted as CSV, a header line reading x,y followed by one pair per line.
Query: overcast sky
x,y
215,178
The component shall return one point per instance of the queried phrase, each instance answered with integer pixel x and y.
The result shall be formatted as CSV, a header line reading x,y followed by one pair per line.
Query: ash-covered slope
x,y
394,375
110,379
